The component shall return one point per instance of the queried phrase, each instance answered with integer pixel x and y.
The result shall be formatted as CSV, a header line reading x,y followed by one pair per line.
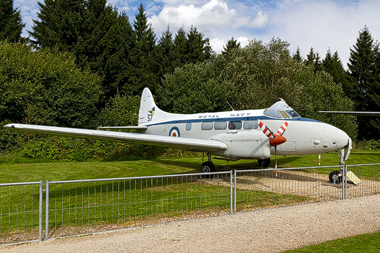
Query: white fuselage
x,y
304,136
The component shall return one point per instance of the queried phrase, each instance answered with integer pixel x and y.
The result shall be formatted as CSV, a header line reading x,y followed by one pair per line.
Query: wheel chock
x,y
353,178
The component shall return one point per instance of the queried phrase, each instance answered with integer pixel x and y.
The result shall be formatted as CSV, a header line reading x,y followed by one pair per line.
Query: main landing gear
x,y
207,166
263,163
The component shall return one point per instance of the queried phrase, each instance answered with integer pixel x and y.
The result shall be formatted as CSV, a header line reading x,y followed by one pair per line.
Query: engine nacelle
x,y
244,144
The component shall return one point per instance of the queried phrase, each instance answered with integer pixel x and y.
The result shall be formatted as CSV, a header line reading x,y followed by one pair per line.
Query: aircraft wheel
x,y
263,163
334,177
207,167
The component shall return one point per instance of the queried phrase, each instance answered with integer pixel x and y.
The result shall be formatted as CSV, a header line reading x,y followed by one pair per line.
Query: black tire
x,y
334,177
267,162
207,167
263,163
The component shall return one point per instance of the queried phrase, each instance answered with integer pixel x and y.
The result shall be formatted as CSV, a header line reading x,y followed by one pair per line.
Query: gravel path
x,y
264,231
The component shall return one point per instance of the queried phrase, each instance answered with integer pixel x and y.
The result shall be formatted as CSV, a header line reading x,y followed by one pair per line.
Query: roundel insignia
x,y
174,132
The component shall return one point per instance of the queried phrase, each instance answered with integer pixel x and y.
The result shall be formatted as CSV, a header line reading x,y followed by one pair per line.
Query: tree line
x,y
86,64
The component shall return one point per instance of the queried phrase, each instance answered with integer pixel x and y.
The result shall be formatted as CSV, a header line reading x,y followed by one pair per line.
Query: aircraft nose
x,y
342,138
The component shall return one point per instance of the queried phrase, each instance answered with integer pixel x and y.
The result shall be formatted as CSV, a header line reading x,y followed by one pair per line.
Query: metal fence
x,y
20,212
270,188
90,206
82,207
369,176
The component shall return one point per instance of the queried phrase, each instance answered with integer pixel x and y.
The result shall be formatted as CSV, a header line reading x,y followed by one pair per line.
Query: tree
x,y
98,36
193,88
314,60
45,87
10,22
364,87
142,59
180,47
231,45
297,56
198,47
333,65
165,54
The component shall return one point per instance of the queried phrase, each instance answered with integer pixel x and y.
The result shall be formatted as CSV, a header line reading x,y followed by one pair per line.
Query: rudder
x,y
149,112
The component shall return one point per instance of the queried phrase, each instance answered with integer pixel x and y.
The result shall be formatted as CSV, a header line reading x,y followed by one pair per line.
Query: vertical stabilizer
x,y
149,112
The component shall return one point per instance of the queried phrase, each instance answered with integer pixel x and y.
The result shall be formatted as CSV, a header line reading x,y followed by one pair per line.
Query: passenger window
x,y
220,125
206,126
250,124
188,126
234,125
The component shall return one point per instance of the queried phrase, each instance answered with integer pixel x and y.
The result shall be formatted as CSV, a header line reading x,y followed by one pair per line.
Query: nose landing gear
x,y
335,177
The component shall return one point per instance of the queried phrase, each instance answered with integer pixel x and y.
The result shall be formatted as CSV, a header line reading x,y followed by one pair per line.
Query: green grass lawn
x,y
362,243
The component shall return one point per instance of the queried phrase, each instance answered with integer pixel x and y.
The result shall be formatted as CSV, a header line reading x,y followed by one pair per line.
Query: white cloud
x,y
323,25
260,21
214,14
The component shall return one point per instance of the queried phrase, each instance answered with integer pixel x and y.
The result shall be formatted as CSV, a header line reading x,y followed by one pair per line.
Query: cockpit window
x,y
281,110
292,113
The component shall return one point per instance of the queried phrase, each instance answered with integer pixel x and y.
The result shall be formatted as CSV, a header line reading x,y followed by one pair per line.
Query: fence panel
x,y
268,188
20,212
369,175
91,206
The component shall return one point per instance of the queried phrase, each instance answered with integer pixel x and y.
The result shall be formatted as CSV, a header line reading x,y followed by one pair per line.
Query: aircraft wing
x,y
358,113
157,140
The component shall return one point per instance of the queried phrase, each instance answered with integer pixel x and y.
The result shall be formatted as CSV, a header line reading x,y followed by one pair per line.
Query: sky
x,y
322,24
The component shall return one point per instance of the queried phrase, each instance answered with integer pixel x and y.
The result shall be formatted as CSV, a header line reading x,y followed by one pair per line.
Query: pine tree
x,y
198,47
165,53
145,67
333,65
297,56
10,22
98,36
310,58
180,47
362,71
230,46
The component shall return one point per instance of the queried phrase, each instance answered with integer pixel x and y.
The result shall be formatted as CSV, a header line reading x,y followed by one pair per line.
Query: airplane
x,y
229,135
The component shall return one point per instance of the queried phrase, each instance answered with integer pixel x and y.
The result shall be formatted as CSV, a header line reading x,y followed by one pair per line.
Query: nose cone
x,y
342,139
334,138
277,140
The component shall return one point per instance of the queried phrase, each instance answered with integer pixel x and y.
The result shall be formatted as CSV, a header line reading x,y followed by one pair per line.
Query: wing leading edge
x,y
157,140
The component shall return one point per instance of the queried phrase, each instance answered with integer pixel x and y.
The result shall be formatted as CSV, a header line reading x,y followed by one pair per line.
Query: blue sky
x,y
321,24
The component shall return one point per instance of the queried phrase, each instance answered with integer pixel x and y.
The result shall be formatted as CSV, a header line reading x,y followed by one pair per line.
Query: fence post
x,y
231,192
40,211
47,211
235,191
344,181
345,185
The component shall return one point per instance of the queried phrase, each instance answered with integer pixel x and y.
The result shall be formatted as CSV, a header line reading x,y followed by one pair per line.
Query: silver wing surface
x,y
358,113
157,140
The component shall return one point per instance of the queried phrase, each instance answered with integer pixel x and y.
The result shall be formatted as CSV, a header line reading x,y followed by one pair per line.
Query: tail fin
x,y
149,112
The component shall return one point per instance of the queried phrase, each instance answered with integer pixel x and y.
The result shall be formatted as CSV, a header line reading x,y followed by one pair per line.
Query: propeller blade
x,y
265,130
282,129
274,139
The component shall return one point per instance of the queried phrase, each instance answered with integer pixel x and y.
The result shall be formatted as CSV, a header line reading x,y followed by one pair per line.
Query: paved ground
x,y
264,231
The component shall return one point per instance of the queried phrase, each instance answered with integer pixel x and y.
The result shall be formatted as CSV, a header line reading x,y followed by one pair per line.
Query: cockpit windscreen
x,y
281,110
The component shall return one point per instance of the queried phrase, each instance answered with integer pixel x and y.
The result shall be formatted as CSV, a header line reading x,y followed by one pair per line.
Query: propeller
x,y
274,139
